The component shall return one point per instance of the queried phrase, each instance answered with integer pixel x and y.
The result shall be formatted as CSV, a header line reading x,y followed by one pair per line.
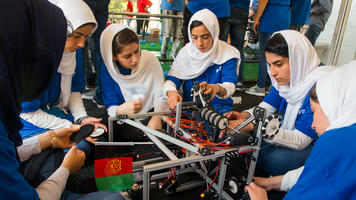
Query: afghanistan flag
x,y
113,167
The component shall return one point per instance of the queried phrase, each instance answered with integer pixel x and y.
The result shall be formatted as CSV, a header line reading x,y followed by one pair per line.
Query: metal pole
x,y
178,116
222,174
244,123
111,120
163,136
146,185
111,129
202,99
185,134
192,159
160,145
149,114
143,29
149,15
153,19
339,31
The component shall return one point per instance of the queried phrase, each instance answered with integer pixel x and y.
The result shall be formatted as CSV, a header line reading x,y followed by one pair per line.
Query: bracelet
x,y
52,135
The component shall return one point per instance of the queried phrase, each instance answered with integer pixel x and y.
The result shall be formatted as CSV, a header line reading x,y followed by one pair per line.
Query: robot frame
x,y
239,143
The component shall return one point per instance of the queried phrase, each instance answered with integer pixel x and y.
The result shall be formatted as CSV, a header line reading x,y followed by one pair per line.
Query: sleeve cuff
x,y
229,88
30,146
290,179
112,111
168,86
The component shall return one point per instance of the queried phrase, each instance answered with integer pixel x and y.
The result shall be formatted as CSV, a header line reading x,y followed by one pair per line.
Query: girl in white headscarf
x,y
294,69
65,90
330,170
131,79
206,59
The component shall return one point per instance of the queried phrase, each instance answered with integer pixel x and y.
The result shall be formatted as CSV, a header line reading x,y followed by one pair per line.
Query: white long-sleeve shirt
x,y
45,120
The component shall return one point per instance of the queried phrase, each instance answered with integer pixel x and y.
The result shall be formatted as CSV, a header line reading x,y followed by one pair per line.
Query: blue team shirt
x,y
220,8
300,12
13,184
330,170
212,75
111,92
51,97
177,5
276,16
244,4
305,115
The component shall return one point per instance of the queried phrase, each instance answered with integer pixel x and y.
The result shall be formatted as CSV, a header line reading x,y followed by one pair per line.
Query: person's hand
x,y
74,159
211,89
130,107
233,124
233,115
63,136
256,192
235,119
170,1
272,183
59,138
173,99
256,25
155,123
75,126
94,121
91,140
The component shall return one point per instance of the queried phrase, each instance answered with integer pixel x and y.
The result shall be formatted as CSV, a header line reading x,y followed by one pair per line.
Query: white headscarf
x,y
190,62
145,81
336,95
77,13
304,72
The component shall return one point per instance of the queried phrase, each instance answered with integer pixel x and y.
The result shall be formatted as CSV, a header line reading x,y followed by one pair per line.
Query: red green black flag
x,y
113,171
